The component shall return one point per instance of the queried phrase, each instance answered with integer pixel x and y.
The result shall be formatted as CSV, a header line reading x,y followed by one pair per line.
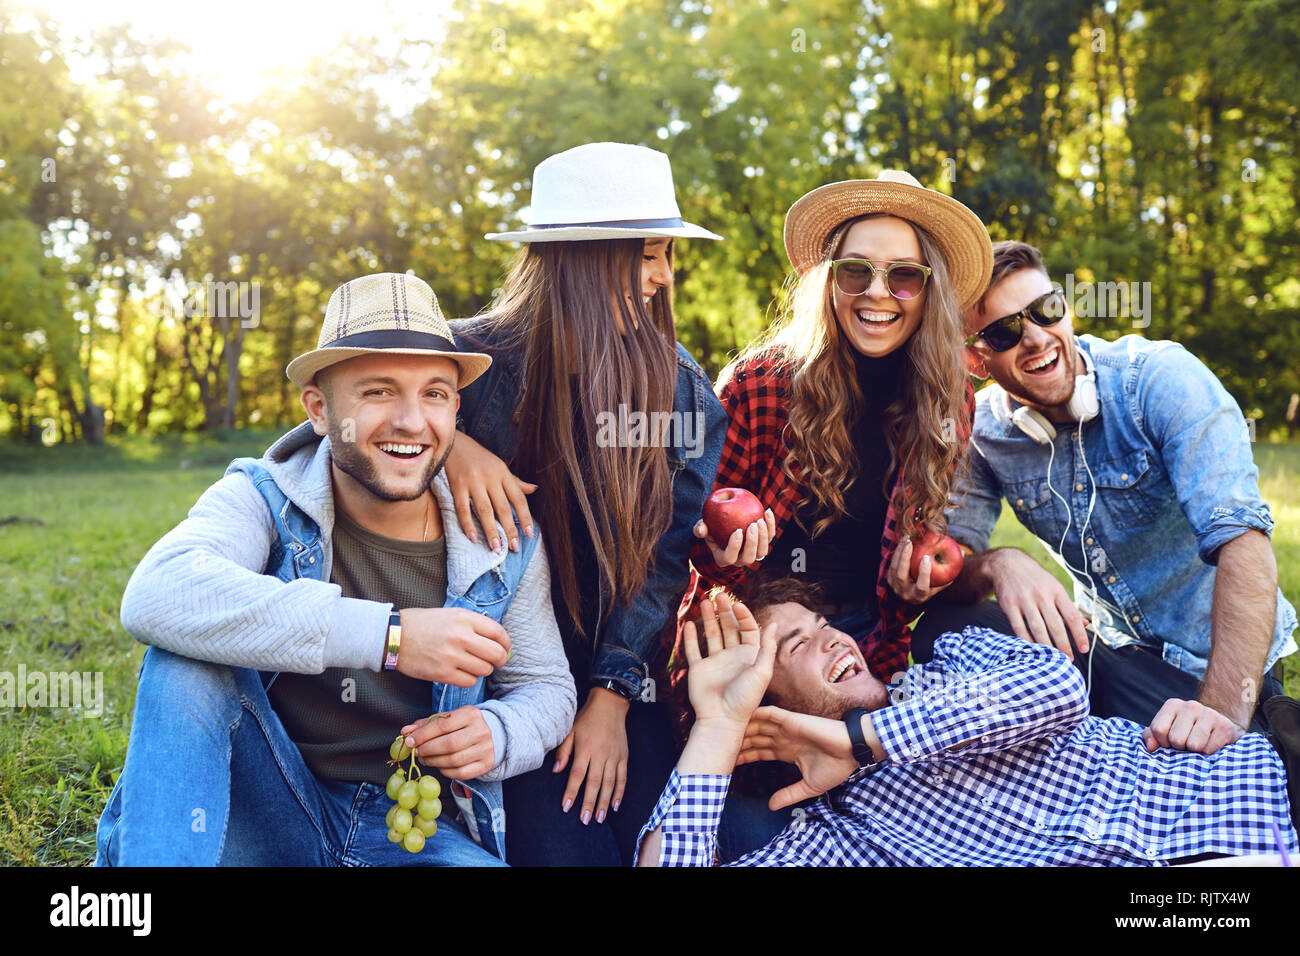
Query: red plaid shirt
x,y
756,397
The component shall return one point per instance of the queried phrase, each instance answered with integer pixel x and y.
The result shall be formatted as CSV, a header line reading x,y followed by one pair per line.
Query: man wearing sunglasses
x,y
1132,464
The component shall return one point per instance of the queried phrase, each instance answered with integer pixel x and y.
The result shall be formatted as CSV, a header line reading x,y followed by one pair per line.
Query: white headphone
x,y
1084,405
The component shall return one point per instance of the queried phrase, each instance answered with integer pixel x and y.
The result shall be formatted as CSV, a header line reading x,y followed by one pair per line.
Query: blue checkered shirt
x,y
992,760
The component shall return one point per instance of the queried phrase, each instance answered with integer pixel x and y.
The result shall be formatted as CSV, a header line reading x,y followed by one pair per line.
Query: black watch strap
x,y
615,686
861,750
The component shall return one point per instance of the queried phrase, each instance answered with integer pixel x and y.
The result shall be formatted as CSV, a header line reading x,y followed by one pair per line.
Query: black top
x,y
845,558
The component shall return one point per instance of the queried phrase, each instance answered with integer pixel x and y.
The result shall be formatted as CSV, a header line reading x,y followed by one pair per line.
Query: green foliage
x,y
1144,142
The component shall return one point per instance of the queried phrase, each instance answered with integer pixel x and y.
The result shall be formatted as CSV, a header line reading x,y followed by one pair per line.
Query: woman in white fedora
x,y
584,345
850,416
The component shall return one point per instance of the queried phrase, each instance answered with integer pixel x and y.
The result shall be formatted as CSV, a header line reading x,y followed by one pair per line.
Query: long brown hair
x,y
558,303
920,425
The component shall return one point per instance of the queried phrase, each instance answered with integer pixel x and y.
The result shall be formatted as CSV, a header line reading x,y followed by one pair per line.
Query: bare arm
x,y
1241,621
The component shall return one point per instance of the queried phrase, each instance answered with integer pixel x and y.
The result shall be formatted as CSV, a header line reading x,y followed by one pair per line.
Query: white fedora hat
x,y
387,313
604,191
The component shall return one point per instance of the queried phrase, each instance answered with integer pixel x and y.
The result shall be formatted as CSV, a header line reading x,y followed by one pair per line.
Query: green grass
x,y
86,517
61,581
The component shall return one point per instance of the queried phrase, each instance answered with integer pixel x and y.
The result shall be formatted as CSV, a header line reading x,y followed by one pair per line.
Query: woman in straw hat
x,y
849,417
618,432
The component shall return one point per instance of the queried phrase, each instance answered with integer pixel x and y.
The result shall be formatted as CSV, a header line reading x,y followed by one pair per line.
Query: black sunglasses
x,y
1006,332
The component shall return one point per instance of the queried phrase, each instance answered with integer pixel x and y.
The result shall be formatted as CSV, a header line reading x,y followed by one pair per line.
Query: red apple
x,y
945,554
729,510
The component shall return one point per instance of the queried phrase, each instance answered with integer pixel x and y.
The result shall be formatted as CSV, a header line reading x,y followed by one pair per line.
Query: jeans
x,y
748,825
212,779
1132,682
540,833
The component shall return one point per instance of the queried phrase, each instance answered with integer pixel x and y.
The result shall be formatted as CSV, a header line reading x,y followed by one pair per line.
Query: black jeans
x,y
1132,682
539,833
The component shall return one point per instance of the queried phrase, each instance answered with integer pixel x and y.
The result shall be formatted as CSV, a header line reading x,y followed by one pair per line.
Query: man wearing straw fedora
x,y
323,599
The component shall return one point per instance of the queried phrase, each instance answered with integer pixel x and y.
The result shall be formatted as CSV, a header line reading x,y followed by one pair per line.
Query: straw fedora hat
x,y
388,313
604,191
958,231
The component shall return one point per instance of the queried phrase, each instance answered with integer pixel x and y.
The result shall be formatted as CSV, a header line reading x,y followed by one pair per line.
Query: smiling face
x,y
391,420
1040,370
818,669
875,322
656,274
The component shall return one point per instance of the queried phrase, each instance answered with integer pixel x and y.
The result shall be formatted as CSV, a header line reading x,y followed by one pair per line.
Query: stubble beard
x,y
1055,402
347,457
826,702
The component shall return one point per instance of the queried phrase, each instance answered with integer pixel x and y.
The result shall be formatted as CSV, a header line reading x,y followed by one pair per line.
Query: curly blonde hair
x,y
920,425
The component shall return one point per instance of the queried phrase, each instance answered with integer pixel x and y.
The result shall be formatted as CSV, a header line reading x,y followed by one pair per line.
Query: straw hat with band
x,y
957,230
604,191
388,314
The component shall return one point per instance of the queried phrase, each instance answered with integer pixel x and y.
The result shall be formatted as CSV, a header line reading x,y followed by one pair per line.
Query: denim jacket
x,y
628,638
1175,478
300,553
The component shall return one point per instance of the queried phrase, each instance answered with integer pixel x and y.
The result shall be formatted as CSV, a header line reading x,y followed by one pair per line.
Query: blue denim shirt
x,y
630,632
1175,479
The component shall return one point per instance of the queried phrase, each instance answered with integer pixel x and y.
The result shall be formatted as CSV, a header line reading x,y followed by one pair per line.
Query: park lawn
x,y
61,584
61,581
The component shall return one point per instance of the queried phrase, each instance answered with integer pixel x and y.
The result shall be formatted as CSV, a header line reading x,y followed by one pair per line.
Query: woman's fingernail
x,y
616,805
529,531
586,818
473,537
410,742
600,816
567,804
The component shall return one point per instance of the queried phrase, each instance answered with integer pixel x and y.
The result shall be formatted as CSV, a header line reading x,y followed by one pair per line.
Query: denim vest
x,y
299,552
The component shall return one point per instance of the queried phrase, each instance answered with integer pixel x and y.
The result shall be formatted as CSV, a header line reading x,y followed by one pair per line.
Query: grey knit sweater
x,y
200,592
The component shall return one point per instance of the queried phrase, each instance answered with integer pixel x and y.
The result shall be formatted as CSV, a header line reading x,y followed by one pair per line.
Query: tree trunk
x,y
234,347
92,423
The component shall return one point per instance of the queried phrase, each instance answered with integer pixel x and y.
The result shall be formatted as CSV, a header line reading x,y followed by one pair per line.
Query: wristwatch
x,y
861,750
614,686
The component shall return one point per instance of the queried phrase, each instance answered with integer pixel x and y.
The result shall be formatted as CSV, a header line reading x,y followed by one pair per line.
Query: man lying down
x,y
986,756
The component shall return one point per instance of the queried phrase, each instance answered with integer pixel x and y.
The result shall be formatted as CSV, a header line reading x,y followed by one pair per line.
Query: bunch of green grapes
x,y
413,818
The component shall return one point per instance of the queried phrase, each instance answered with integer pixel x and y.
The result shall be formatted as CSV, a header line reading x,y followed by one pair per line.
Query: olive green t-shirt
x,y
343,720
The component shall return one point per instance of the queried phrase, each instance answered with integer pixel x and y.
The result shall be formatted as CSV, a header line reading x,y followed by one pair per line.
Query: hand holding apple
x,y
915,579
736,527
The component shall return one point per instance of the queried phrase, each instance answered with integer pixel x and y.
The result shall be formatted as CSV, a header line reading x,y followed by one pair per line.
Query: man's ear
x,y
313,402
974,364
